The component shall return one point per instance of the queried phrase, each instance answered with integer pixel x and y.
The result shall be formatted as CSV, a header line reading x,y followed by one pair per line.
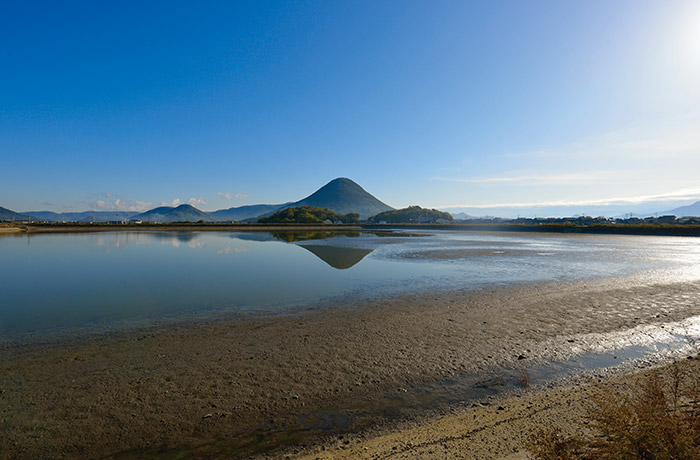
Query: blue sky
x,y
450,104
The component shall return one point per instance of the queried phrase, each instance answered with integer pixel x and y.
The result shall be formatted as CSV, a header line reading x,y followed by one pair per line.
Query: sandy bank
x,y
10,230
495,429
242,386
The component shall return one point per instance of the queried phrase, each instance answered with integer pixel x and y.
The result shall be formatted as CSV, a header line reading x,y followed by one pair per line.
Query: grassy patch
x,y
659,420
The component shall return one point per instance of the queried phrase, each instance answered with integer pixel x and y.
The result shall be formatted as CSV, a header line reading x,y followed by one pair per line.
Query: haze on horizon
x,y
488,107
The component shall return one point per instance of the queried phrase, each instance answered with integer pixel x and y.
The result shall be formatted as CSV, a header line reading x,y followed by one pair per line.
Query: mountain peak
x,y
340,180
343,195
341,183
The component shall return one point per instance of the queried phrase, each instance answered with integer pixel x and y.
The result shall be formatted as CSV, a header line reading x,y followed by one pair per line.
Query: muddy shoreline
x,y
265,385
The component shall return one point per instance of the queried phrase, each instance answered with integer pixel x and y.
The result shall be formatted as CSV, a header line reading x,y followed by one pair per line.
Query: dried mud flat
x,y
281,385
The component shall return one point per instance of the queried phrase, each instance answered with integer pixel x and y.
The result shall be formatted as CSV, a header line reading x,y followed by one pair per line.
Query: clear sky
x,y
129,105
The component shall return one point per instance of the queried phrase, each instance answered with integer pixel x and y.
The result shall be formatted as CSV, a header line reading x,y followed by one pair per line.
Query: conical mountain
x,y
344,196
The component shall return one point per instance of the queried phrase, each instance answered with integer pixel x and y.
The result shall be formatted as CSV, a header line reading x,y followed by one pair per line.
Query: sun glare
x,y
690,38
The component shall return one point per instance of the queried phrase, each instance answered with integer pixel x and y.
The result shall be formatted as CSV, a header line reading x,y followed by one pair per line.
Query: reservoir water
x,y
60,282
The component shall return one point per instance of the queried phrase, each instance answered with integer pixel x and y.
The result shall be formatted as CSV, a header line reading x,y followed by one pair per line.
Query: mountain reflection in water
x,y
292,237
340,258
337,257
52,282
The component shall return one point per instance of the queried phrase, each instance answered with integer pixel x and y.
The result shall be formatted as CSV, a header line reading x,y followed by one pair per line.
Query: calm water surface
x,y
65,281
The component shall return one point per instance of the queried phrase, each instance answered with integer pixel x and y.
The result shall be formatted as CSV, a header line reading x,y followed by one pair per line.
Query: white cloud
x,y
177,202
683,194
174,203
140,206
540,179
680,139
119,204
197,202
637,165
126,205
228,195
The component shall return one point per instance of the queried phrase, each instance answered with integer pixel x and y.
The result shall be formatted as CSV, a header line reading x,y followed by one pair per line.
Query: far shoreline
x,y
594,229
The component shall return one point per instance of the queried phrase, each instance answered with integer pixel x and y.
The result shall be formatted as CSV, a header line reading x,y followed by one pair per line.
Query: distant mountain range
x,y
86,216
641,210
167,214
10,216
340,195
242,213
690,210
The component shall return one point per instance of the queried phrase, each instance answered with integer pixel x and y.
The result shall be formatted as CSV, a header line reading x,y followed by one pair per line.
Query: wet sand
x,y
272,385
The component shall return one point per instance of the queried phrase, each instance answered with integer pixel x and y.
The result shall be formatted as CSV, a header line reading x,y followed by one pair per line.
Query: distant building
x,y
666,220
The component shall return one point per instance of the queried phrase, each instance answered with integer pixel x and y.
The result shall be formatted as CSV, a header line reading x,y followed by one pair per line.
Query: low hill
x,y
7,215
344,196
241,213
167,214
308,215
413,215
462,216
